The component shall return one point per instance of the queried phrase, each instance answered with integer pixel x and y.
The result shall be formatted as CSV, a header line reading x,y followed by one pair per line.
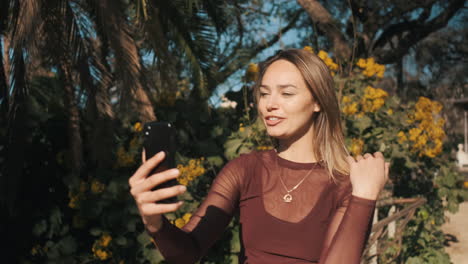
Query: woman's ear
x,y
316,108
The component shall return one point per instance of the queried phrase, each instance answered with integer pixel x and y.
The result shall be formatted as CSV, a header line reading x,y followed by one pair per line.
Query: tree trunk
x,y
17,136
128,67
401,91
4,96
325,23
74,135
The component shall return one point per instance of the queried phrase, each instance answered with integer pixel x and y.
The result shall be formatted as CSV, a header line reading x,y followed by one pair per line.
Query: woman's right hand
x,y
141,185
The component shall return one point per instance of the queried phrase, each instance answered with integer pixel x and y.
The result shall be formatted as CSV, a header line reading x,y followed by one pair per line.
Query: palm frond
x,y
127,60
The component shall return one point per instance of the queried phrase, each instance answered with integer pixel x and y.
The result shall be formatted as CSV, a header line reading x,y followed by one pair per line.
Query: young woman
x,y
307,201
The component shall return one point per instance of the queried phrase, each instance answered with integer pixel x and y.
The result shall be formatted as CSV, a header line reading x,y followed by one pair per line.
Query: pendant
x,y
287,198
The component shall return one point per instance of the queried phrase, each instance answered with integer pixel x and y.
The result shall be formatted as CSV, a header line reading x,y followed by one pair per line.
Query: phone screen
x,y
160,136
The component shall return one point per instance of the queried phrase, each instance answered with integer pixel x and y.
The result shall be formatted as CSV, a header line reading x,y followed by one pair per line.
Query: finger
x,y
387,169
153,181
155,209
378,154
161,194
143,156
367,155
350,160
359,157
146,168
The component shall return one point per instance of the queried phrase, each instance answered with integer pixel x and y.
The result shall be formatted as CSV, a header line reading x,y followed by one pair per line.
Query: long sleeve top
x,y
324,223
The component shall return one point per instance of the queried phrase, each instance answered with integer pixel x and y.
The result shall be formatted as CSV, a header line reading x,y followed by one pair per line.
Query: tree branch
x,y
414,31
236,64
325,23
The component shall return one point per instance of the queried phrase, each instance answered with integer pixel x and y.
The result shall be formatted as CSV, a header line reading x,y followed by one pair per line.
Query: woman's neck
x,y
298,151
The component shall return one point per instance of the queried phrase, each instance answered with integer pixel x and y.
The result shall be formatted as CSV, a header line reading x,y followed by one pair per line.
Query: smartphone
x,y
161,136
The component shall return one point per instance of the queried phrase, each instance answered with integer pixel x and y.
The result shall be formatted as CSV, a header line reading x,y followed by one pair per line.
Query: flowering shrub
x,y
95,219
191,171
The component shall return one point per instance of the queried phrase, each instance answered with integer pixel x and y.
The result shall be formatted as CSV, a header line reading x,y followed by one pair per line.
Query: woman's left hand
x,y
368,175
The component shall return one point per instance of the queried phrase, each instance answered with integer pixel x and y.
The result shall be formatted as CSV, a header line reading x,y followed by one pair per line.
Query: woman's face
x,y
285,104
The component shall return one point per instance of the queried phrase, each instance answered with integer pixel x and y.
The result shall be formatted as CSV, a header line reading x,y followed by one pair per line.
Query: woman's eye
x,y
288,94
263,94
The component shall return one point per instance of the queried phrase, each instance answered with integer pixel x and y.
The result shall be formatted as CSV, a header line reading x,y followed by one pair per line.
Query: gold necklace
x,y
287,198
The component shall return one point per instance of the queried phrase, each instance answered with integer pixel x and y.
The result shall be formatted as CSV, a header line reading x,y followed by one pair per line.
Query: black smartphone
x,y
161,136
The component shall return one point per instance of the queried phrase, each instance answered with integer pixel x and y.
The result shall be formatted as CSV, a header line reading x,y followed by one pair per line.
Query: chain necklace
x,y
287,198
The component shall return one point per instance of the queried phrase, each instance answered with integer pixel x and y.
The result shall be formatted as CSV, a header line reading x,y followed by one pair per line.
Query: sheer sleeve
x,y
190,243
348,231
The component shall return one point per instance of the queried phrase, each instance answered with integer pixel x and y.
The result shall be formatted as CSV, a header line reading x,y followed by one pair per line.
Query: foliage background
x,y
79,77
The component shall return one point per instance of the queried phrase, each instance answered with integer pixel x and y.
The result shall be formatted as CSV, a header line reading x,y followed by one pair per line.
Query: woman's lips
x,y
273,122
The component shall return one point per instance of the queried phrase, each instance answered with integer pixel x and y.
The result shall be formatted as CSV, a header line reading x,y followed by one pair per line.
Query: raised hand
x,y
368,175
141,185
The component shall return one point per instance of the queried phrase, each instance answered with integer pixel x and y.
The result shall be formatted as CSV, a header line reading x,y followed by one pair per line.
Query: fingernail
x,y
160,153
182,188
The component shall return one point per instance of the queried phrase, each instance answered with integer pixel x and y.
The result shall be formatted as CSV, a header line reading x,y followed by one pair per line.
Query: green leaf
x,y
143,238
363,123
131,225
152,255
414,260
68,245
231,147
216,131
95,231
40,227
215,161
121,241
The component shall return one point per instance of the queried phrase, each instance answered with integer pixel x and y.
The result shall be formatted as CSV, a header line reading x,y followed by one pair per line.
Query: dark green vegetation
x,y
76,75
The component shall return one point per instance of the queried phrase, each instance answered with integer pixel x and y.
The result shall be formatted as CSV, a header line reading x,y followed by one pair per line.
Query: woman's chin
x,y
276,134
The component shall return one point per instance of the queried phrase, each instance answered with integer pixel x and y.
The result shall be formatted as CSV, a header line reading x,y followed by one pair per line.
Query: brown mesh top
x,y
323,223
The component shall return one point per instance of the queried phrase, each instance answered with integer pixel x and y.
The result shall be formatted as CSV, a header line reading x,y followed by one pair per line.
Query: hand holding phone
x,y
160,136
155,180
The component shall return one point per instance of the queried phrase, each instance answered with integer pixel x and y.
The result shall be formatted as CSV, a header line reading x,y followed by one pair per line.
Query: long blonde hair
x,y
327,130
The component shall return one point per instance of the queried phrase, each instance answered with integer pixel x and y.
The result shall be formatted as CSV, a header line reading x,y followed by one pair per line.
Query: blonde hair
x,y
327,130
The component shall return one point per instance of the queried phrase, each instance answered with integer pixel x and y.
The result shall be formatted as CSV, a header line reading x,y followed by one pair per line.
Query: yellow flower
x,y
390,111
374,99
264,147
350,109
361,63
252,72
402,137
371,68
190,172
322,55
328,61
97,187
465,184
124,159
101,254
36,250
105,240
309,49
179,222
241,127
427,133
74,200
187,217
346,99
137,127
356,146
414,133
253,68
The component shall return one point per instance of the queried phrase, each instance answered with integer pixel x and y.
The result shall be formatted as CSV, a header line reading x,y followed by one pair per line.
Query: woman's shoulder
x,y
343,185
250,159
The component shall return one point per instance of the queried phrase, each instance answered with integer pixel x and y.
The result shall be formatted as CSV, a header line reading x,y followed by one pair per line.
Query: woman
x,y
307,201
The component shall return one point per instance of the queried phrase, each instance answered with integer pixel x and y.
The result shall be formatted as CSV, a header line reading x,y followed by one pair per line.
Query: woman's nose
x,y
272,103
